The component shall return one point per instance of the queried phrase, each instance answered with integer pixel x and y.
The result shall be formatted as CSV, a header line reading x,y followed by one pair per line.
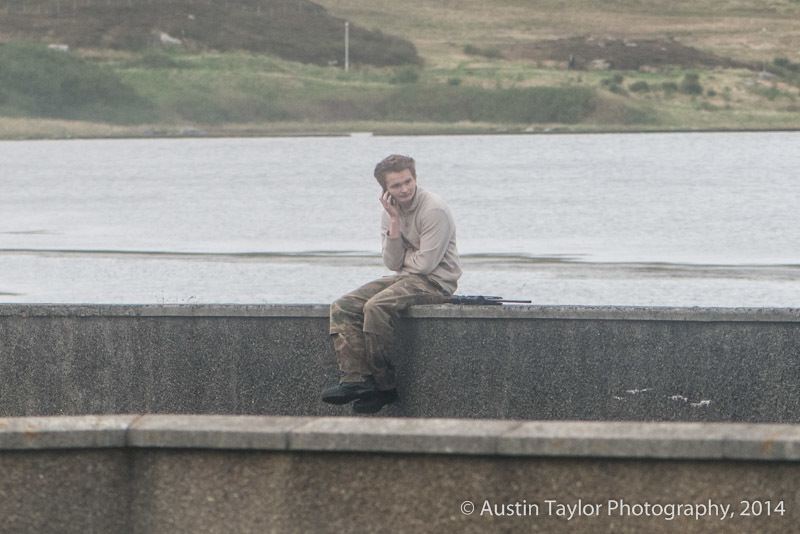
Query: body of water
x,y
631,219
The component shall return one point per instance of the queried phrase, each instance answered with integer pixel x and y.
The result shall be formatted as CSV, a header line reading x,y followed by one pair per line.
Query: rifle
x,y
480,300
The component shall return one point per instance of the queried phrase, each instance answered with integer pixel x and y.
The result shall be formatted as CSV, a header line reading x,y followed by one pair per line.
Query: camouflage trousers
x,y
363,325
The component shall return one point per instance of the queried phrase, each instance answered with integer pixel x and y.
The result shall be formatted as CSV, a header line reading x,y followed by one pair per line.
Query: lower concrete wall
x,y
220,474
521,362
350,492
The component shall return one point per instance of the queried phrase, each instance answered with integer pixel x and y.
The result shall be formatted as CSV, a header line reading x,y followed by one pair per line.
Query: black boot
x,y
349,391
374,403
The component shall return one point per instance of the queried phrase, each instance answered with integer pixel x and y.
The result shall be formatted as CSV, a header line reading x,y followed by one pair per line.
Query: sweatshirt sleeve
x,y
393,249
436,232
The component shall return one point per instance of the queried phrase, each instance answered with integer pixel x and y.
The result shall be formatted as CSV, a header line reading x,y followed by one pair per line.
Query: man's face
x,y
402,186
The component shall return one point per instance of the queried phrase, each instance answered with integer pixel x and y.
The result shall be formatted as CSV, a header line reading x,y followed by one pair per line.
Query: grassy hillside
x,y
298,30
745,30
481,67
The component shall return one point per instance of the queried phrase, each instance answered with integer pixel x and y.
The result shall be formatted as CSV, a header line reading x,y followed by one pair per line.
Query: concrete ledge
x,y
163,310
89,431
687,441
447,311
706,441
429,436
214,431
608,313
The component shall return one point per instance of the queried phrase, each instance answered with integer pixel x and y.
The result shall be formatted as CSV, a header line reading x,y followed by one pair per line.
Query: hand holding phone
x,y
389,204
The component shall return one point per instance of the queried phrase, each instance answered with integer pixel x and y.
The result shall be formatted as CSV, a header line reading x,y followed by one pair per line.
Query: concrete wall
x,y
521,362
193,474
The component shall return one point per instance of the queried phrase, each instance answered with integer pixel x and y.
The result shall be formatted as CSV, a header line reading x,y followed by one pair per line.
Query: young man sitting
x,y
419,245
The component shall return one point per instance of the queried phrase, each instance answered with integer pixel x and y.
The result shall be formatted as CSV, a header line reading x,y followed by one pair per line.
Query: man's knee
x,y
375,307
342,321
378,316
336,306
345,308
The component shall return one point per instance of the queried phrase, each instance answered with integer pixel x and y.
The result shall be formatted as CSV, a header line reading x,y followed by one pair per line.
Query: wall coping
x,y
447,311
666,441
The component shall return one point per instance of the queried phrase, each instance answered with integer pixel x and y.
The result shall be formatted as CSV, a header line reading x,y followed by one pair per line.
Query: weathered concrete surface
x,y
517,362
688,441
669,365
149,359
287,492
66,491
191,474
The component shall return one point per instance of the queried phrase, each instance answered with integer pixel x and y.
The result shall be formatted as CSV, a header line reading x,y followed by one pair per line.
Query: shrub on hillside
x,y
406,75
617,89
781,66
617,79
639,87
613,84
669,87
492,52
784,62
690,85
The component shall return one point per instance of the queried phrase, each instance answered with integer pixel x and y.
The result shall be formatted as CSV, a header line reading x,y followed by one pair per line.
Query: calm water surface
x,y
664,219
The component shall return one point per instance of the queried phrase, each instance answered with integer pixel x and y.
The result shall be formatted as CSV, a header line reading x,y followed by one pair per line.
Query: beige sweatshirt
x,y
427,242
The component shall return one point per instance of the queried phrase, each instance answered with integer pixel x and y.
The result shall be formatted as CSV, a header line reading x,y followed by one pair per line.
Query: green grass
x,y
36,81
246,89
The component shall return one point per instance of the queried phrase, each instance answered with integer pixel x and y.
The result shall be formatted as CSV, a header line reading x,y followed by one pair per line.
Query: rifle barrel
x,y
478,299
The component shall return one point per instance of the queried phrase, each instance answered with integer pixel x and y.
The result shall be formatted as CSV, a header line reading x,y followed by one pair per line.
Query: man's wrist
x,y
394,228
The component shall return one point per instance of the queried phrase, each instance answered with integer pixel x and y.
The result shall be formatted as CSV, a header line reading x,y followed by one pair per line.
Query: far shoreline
x,y
44,129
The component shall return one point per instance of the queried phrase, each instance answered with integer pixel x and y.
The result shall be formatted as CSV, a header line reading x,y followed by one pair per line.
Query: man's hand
x,y
389,205
391,208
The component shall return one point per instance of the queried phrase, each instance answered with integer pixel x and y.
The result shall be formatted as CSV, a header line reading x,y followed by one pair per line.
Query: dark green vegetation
x,y
448,103
784,68
491,52
297,30
690,85
38,82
